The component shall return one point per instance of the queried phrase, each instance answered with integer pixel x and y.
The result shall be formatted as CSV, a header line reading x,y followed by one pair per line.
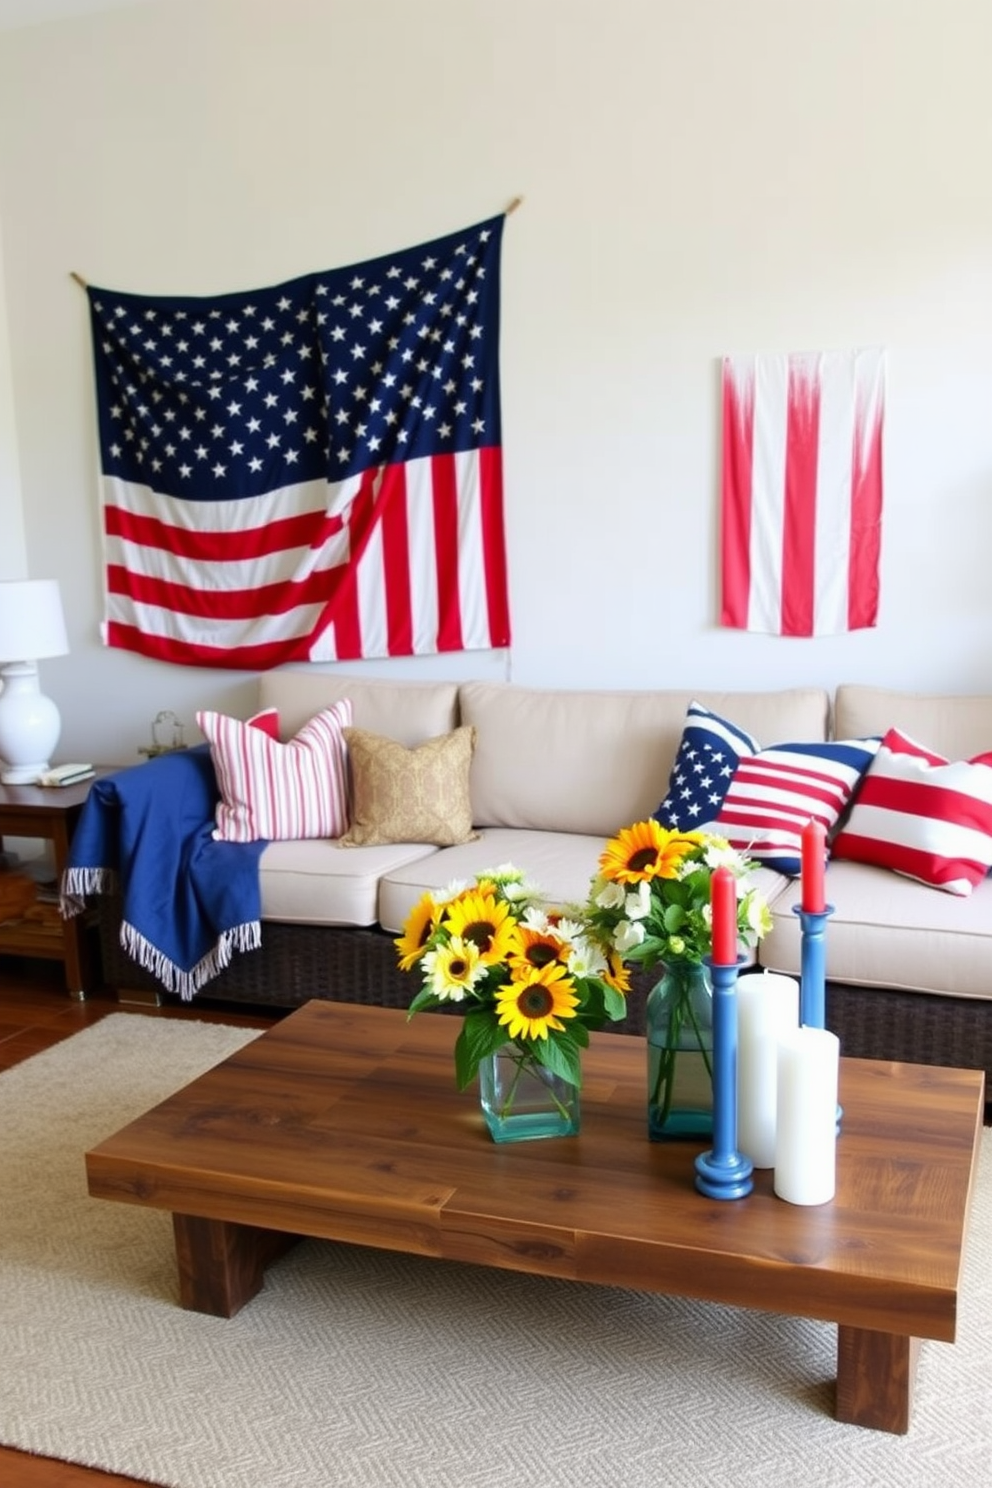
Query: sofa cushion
x,y
409,712
272,791
922,815
409,795
775,792
561,864
709,752
956,726
889,931
312,883
593,762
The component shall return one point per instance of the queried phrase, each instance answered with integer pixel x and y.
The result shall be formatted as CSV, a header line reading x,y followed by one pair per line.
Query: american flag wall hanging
x,y
309,472
801,492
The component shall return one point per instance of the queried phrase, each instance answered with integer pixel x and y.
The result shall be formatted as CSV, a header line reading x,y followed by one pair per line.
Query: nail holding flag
x,y
308,472
801,492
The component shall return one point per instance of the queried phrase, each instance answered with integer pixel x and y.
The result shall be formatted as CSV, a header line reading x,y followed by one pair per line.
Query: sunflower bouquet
x,y
537,978
650,901
650,905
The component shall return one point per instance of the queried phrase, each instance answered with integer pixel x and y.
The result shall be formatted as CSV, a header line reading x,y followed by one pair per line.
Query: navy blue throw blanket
x,y
189,902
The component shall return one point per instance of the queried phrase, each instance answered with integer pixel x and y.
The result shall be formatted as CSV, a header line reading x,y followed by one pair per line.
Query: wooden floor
x,y
35,1013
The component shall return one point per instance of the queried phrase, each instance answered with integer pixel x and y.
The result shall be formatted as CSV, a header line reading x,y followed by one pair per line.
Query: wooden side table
x,y
50,814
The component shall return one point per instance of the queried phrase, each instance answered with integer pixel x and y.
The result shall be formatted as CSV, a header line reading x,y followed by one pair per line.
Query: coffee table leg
x,y
222,1265
875,1377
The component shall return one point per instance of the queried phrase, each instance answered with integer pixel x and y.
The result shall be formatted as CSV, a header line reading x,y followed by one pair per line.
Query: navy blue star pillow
x,y
708,755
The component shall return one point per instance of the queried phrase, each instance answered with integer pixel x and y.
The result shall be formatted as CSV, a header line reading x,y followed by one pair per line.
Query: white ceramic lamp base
x,y
29,725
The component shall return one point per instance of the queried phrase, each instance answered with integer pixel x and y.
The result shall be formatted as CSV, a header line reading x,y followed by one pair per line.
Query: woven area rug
x,y
364,1369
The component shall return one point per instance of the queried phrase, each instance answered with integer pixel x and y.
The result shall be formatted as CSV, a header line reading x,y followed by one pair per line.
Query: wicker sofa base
x,y
299,962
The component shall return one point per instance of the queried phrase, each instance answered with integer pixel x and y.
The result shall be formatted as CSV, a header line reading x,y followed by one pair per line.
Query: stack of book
x,y
65,774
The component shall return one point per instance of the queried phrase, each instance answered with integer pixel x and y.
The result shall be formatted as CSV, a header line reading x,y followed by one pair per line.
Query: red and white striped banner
x,y
801,492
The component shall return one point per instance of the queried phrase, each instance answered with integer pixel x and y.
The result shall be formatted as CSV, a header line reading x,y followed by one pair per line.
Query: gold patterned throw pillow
x,y
410,795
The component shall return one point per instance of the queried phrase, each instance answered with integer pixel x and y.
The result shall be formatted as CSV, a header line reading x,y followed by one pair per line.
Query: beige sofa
x,y
554,773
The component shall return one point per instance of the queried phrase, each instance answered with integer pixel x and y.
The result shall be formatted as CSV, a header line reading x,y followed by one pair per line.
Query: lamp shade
x,y
31,621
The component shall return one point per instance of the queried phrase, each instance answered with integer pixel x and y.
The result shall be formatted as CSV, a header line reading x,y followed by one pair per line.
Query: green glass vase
x,y
679,1026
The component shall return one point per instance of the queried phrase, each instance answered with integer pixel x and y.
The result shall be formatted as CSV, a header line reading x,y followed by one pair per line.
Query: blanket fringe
x,y
246,937
77,883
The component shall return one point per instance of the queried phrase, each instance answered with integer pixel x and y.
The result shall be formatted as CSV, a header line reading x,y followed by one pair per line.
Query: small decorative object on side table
x,y
51,814
160,744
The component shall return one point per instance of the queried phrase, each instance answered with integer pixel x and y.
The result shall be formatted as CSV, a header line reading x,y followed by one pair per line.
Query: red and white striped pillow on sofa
x,y
279,792
923,816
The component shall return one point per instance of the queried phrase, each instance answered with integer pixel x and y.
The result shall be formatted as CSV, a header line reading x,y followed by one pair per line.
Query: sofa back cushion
x,y
409,712
958,727
592,762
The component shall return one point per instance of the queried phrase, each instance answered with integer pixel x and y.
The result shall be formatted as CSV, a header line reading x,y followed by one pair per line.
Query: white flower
x,y
637,903
567,930
757,914
534,918
627,935
453,969
609,896
718,853
450,891
586,959
516,889
511,882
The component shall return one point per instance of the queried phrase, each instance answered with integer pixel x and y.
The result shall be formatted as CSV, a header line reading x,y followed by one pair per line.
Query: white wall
x,y
698,179
13,545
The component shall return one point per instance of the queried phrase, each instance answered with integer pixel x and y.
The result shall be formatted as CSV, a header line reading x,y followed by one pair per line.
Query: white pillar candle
x,y
767,1009
806,1126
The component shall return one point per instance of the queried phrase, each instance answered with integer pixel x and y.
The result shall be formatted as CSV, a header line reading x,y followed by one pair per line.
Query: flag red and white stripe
x,y
404,561
801,492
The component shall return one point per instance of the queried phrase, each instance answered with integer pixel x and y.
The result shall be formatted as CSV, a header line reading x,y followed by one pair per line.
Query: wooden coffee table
x,y
344,1122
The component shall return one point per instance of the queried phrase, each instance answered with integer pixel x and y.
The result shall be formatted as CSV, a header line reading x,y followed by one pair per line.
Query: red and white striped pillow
x,y
774,793
923,816
278,792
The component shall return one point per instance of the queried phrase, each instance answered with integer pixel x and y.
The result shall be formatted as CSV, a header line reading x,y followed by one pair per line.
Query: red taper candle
x,y
723,902
814,899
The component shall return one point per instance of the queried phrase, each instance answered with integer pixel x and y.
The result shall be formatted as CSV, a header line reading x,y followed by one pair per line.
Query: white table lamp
x,y
32,626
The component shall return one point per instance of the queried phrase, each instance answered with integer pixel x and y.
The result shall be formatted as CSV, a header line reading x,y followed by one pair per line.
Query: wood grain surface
x,y
344,1122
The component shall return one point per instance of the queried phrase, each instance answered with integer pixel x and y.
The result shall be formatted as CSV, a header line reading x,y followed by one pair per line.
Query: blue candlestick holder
x,y
812,970
723,1172
813,960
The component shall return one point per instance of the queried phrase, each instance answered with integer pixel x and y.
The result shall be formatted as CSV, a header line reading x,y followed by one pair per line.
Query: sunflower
x,y
617,975
453,969
540,947
479,917
528,1008
646,850
420,925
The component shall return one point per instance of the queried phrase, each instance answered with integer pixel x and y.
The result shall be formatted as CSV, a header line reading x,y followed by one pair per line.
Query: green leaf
x,y
425,998
675,918
614,1004
480,1036
648,953
561,1055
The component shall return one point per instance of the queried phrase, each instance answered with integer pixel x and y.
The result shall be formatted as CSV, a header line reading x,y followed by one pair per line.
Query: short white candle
x,y
767,1009
806,1126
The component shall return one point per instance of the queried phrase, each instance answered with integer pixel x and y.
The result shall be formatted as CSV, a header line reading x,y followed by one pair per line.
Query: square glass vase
x,y
522,1100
